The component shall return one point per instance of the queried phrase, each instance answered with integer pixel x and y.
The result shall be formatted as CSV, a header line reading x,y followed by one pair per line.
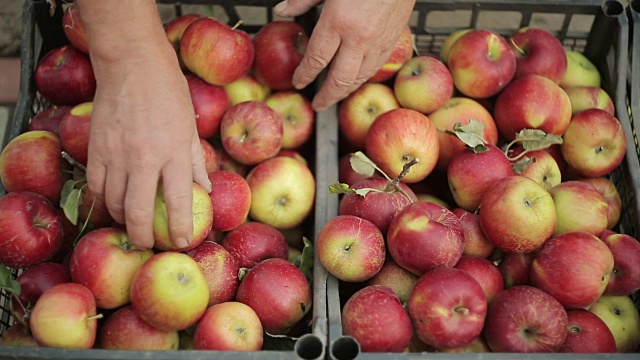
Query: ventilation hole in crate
x,y
580,25
345,348
504,22
549,22
445,22
635,5
309,347
613,8
429,44
575,44
252,15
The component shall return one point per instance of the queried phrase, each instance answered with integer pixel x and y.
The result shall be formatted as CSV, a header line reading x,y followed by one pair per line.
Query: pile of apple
x,y
476,211
246,275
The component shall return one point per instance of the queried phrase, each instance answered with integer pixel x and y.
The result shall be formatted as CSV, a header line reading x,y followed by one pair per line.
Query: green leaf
x,y
521,165
66,190
242,273
361,164
480,149
472,135
340,188
278,342
7,282
364,191
306,260
535,139
71,204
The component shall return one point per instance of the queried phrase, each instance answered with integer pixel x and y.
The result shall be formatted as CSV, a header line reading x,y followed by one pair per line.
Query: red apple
x,y
17,335
587,333
227,163
278,292
608,190
43,175
423,84
346,174
220,269
209,103
397,278
475,241
425,236
231,198
230,326
485,273
448,308
293,154
65,76
253,242
75,129
279,48
124,330
74,28
625,278
400,136
297,117
210,156
215,52
175,29
481,63
30,230
589,97
538,52
525,319
93,209
376,319
49,119
515,268
579,207
401,53
448,43
351,248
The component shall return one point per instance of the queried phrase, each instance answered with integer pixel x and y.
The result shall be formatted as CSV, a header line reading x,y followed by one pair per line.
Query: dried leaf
x,y
361,164
306,259
7,282
536,139
340,188
52,7
472,135
364,191
242,273
521,165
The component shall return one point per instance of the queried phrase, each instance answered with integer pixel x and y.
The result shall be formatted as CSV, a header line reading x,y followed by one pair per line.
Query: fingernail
x,y
181,243
209,187
282,6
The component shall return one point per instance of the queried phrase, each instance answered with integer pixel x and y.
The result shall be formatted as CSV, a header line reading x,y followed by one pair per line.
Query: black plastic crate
x,y
43,32
604,41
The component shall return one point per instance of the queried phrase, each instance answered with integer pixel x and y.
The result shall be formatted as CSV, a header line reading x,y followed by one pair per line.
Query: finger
x,y
96,178
114,192
321,48
293,8
178,196
199,167
341,77
139,204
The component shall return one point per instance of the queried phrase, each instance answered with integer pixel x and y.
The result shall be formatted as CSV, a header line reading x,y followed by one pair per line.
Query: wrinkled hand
x,y
355,36
142,131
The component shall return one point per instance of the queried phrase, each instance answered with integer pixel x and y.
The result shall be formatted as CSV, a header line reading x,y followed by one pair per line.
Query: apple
x,y
105,261
481,63
589,97
470,175
399,136
375,318
459,110
425,236
227,163
251,132
74,29
401,53
346,174
209,103
246,88
580,71
279,48
185,341
574,268
169,291
17,335
293,154
397,278
477,345
124,330
516,268
518,215
210,156
30,230
253,242
48,119
202,209
297,117
351,248
220,269
625,278
433,199
608,190
475,241
525,319
360,109
538,52
532,102
64,76
67,309
93,209
423,84
587,333
448,43
231,198
282,192
594,143
175,29
622,318
278,292
75,128
540,166
215,52
485,273
447,308
43,175
230,326
579,207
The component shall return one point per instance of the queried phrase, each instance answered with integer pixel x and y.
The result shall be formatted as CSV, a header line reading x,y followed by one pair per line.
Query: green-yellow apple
x,y
538,52
518,214
396,278
246,88
580,71
229,326
74,130
540,166
448,43
175,29
532,102
475,241
359,110
124,330
625,279
231,198
423,84
43,175
105,261
607,189
220,268
202,209
402,51
282,192
399,136
485,272
579,207
621,316
433,199
589,97
574,268
587,333
481,63
351,248
68,309
297,117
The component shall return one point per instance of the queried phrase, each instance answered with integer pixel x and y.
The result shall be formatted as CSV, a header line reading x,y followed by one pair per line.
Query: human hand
x,y
355,36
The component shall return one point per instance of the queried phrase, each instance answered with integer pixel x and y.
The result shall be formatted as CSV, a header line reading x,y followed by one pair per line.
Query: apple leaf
x,y
364,191
242,273
535,139
340,188
521,165
7,282
278,342
361,164
472,135
70,200
306,259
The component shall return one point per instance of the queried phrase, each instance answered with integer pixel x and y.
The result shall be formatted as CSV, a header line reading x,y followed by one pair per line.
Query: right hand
x,y
143,135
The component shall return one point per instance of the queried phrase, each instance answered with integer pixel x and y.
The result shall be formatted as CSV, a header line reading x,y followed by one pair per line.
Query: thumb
x,y
200,175
291,8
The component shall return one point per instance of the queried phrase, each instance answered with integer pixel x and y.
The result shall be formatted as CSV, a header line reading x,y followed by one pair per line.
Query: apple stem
x,y
442,215
517,157
95,317
405,170
240,22
520,50
73,161
462,311
84,226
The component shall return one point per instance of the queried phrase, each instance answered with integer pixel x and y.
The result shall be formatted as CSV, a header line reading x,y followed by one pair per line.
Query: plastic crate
x,y
633,82
43,32
604,42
